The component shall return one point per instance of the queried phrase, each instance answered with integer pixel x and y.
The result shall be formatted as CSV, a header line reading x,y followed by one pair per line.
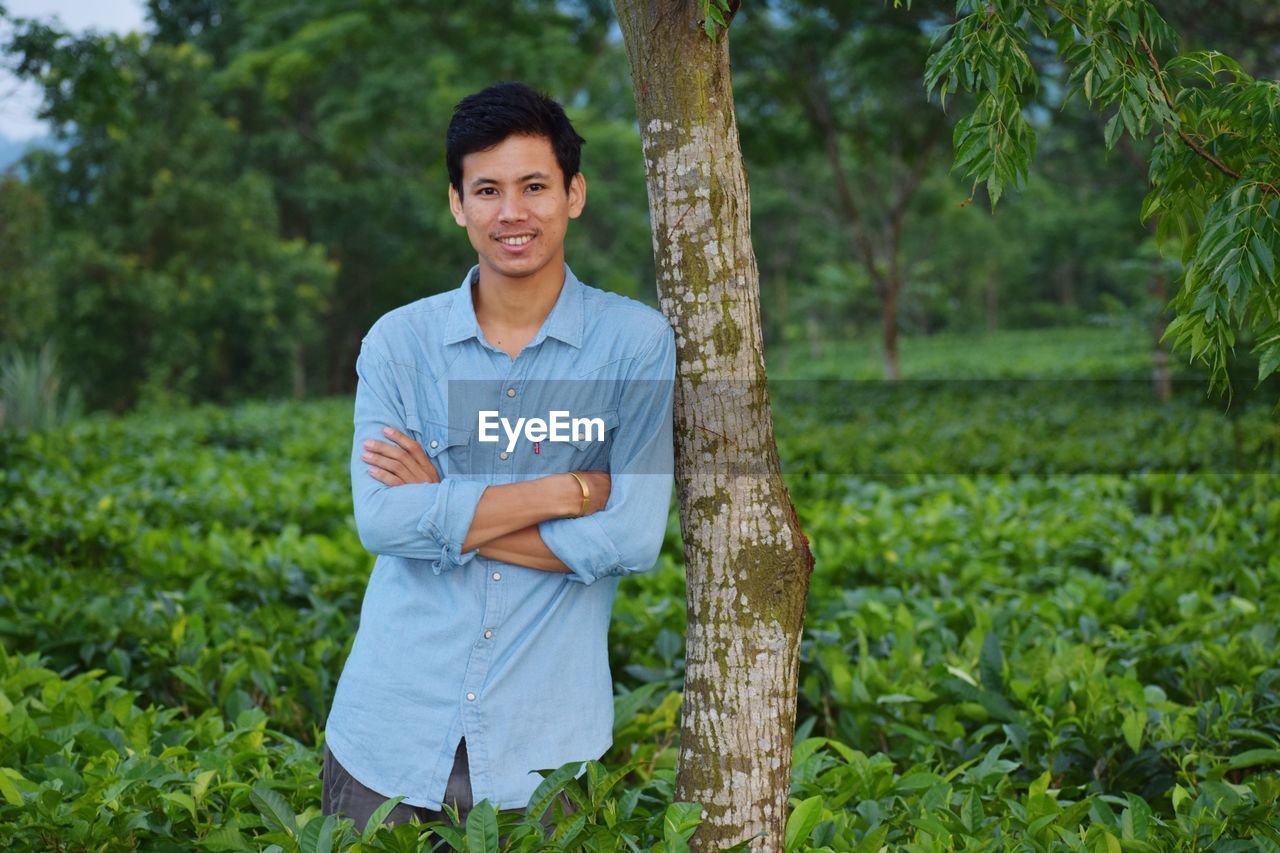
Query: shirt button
x,y
503,455
434,443
488,635
511,392
471,697
497,576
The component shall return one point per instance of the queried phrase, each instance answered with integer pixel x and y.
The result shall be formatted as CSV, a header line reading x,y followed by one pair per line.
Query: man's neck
x,y
511,310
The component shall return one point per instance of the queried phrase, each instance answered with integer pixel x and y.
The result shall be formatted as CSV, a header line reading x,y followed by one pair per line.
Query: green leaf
x,y
627,705
451,836
994,189
317,835
1136,820
599,786
379,815
1135,721
679,822
1253,758
9,790
1262,253
551,785
801,822
224,838
1178,796
1112,132
201,784
1268,362
482,828
274,810
183,800
873,841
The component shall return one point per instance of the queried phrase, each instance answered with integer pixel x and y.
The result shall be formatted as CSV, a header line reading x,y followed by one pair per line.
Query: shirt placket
x,y
509,406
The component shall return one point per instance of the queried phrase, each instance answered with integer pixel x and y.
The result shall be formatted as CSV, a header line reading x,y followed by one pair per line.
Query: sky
x,y
19,101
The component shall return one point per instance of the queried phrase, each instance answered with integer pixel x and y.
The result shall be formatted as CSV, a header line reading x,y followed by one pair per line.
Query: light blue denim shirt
x,y
452,644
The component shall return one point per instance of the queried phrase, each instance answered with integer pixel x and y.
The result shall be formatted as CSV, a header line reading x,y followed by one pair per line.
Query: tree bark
x,y
992,302
1161,377
889,327
747,561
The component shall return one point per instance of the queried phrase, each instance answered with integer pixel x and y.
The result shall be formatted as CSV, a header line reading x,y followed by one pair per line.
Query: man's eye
x,y
486,191
536,187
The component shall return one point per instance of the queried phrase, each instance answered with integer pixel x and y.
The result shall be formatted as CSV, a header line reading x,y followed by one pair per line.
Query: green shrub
x,y
1049,625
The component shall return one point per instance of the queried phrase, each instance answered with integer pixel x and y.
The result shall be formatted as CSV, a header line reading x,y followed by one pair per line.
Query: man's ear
x,y
455,205
577,195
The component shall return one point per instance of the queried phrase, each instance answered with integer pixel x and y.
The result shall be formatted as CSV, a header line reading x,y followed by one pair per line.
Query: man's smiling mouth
x,y
519,240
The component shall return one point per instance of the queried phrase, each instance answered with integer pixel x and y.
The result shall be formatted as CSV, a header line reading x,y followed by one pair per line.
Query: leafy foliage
x,y
169,273
716,15
1214,164
240,192
992,657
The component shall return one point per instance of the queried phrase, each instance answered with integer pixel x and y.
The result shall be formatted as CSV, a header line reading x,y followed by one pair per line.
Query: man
x,y
481,654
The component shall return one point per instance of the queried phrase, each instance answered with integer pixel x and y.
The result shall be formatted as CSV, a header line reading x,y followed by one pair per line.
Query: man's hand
x,y
402,462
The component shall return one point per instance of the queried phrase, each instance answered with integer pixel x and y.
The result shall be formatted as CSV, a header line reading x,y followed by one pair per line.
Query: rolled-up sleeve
x,y
626,536
423,521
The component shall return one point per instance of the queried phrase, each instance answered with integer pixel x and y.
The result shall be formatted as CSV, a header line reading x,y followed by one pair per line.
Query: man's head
x,y
514,182
488,117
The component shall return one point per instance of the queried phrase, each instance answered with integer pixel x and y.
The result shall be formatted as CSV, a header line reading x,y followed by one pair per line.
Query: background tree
x,y
333,109
346,108
26,303
163,238
826,77
327,122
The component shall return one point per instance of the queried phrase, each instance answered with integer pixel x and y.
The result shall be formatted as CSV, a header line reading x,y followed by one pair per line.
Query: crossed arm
x,y
505,524
404,508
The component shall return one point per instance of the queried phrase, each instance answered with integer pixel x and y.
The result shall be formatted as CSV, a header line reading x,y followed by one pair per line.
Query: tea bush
x,y
1040,619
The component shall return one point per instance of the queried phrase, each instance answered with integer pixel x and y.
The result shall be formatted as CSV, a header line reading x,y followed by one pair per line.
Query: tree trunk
x,y
1161,378
299,371
992,302
889,328
1065,275
746,559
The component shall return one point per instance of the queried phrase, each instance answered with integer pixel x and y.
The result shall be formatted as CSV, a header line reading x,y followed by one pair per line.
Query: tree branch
x,y
1186,137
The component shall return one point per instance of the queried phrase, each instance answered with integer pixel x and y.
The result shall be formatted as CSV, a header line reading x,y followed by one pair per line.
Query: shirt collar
x,y
563,323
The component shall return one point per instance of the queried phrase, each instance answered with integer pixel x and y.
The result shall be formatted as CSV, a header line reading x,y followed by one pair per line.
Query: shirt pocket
x,y
449,448
590,450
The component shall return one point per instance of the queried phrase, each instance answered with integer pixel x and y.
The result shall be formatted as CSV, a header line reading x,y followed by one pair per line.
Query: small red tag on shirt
x,y
536,446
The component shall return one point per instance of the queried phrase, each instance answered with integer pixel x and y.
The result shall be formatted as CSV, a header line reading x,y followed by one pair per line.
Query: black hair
x,y
485,119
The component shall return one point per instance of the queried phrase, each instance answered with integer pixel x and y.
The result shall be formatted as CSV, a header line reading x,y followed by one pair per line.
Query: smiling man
x,y
481,655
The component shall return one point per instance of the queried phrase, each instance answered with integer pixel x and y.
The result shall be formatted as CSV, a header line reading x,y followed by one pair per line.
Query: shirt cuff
x,y
583,546
449,519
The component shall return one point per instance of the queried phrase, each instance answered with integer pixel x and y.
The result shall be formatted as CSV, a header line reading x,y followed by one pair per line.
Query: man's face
x,y
515,207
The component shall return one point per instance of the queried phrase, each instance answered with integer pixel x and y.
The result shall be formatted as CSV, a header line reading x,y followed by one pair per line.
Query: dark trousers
x,y
341,794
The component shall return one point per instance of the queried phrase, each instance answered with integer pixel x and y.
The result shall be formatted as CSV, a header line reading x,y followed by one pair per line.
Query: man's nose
x,y
512,209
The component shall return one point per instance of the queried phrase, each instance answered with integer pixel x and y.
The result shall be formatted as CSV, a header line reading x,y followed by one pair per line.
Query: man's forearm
x,y
512,507
523,547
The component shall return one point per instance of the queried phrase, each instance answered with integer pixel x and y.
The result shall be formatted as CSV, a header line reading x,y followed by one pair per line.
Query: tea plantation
x,y
1043,617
